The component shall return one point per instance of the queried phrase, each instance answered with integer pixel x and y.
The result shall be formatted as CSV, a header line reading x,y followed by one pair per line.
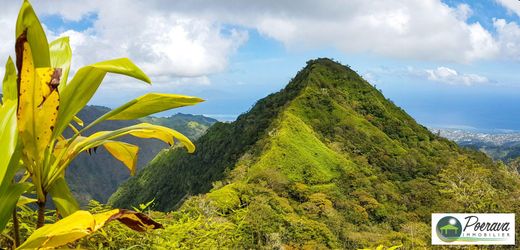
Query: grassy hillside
x,y
327,162
98,175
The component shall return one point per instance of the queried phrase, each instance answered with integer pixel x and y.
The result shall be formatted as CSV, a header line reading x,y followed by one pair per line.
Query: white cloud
x,y
176,39
508,36
166,45
441,74
511,5
424,30
7,15
451,76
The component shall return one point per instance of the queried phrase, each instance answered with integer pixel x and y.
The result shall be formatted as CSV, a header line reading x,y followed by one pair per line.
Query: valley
x,y
97,175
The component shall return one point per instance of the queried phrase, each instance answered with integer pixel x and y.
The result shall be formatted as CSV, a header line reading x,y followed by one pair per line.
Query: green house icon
x,y
446,229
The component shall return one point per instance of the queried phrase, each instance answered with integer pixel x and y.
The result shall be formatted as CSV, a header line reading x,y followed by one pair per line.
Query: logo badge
x,y
449,229
473,229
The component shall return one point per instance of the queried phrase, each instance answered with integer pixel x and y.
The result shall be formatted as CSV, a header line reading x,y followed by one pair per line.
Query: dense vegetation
x,y
327,162
88,175
505,152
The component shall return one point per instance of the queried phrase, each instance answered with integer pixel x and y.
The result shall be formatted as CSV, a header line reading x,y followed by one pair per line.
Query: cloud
x,y
7,27
451,76
162,43
176,39
511,5
508,36
441,74
410,29
167,45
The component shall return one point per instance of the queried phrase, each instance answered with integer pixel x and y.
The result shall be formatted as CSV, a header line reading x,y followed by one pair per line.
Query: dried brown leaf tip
x,y
135,220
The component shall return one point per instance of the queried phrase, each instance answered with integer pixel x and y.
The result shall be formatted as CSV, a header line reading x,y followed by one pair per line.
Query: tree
x,y
468,184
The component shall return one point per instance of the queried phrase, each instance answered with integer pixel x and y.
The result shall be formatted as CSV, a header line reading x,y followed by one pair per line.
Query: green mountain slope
x,y
98,175
327,162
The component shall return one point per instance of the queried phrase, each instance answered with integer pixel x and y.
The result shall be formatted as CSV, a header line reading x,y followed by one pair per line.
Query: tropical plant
x,y
39,104
9,154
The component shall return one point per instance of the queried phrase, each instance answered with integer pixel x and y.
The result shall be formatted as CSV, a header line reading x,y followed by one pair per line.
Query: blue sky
x,y
449,63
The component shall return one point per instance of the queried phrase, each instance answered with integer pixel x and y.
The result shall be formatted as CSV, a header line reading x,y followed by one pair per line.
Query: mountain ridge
x,y
327,162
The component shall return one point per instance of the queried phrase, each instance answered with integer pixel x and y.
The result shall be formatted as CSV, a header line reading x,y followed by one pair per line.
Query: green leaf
x,y
10,155
61,55
146,105
85,83
22,201
8,137
28,21
123,66
9,86
9,199
150,104
65,202
78,121
395,247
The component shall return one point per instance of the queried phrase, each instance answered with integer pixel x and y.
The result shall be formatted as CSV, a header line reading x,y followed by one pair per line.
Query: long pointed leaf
x,y
125,153
145,105
61,55
38,102
85,83
142,130
28,23
83,223
8,137
65,202
9,162
9,199
9,88
22,201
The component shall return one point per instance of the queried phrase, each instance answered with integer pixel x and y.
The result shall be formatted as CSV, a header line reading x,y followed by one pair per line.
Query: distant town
x,y
466,137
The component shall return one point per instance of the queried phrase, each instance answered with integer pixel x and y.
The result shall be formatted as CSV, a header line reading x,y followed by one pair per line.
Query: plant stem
x,y
41,214
16,229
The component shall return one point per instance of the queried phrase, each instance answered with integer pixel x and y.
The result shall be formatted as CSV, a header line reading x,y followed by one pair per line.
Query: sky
x,y
451,63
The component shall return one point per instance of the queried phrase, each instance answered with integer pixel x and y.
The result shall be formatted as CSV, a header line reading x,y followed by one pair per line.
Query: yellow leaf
x,y
164,134
85,83
124,152
151,103
142,130
147,104
78,121
83,223
22,201
29,25
38,102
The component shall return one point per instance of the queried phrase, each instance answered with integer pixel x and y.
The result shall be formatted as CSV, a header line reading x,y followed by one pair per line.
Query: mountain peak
x,y
326,162
327,62
325,73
